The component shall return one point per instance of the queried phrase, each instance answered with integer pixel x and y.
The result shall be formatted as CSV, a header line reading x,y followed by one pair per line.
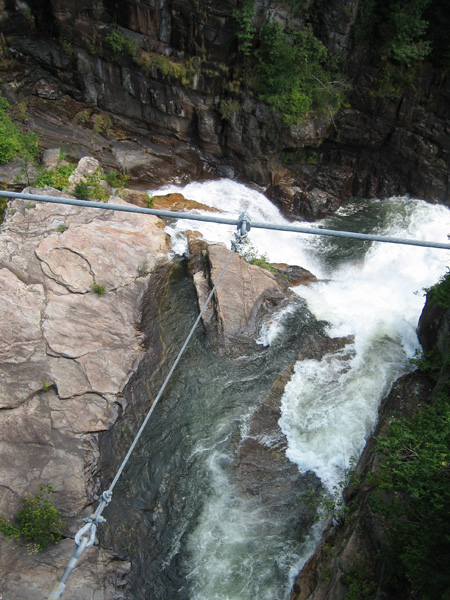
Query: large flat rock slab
x,y
66,353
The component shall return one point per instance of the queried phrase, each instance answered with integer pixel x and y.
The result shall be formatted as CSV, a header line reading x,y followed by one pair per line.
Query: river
x,y
205,542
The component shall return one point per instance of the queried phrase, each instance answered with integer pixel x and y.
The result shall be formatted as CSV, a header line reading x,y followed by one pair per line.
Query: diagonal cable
x,y
95,519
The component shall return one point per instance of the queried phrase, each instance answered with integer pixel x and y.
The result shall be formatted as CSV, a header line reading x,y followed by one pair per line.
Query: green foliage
x,y
415,472
150,201
82,191
66,43
294,74
57,178
396,28
229,107
430,363
62,228
332,506
92,188
115,179
246,31
439,293
310,156
38,521
46,385
13,142
98,288
3,205
120,45
437,360
360,581
102,124
408,44
83,116
248,252
184,71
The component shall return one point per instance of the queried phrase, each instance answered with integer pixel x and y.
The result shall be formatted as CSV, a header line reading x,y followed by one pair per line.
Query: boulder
x,y
245,293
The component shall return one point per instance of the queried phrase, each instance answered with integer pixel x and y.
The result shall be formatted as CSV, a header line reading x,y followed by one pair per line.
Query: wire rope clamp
x,y
244,224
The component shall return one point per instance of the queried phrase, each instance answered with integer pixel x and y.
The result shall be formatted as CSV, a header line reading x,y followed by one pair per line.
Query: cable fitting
x,y
106,497
244,224
90,526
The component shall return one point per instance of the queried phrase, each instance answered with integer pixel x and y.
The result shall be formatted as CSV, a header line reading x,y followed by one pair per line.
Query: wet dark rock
x,y
293,274
375,146
434,326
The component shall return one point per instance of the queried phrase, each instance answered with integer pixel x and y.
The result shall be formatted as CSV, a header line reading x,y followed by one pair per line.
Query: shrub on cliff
x,y
397,28
57,178
38,521
294,75
13,142
290,68
415,469
119,44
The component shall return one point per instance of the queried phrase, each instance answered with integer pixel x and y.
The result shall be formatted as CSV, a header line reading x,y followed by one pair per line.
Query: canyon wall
x,y
176,86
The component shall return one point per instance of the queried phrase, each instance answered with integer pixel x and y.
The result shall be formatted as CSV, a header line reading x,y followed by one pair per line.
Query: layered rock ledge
x,y
66,354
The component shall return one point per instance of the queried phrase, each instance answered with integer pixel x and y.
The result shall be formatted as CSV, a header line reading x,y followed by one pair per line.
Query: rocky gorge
x,y
82,291
176,120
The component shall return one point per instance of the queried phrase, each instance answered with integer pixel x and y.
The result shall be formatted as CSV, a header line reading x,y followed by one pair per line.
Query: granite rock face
x,y
66,354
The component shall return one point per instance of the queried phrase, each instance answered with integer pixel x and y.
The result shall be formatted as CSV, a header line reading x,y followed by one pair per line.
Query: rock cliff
x,y
164,99
66,353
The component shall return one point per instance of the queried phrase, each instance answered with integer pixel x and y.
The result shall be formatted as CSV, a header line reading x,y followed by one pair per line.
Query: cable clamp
x,y
244,225
106,497
90,526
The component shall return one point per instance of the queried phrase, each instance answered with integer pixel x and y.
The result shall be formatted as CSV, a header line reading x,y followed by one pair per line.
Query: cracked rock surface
x,y
66,353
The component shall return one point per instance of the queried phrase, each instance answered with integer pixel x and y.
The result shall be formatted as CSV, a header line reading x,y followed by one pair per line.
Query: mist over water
x,y
372,291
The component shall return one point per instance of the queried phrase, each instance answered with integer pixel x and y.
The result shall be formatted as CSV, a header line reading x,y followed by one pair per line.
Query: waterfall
x,y
224,548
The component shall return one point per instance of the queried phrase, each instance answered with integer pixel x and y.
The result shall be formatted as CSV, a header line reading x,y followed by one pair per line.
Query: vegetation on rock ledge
x,y
415,473
13,142
38,521
289,68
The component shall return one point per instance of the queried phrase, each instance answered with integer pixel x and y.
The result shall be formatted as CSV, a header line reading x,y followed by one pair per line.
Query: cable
x,y
224,221
166,381
95,519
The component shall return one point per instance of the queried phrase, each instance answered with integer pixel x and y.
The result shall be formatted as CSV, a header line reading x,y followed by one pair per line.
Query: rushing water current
x,y
208,542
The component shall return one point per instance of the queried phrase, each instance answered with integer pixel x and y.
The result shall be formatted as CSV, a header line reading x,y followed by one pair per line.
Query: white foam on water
x,y
237,551
330,406
233,198
270,330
